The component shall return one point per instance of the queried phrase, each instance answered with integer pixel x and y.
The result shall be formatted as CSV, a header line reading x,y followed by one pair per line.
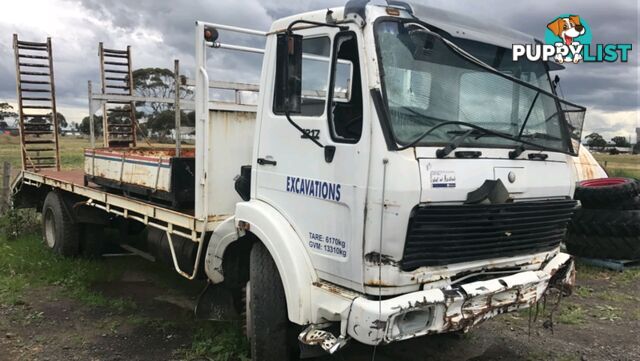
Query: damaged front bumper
x,y
456,308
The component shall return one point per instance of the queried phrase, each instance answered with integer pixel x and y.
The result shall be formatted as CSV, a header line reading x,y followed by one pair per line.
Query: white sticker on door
x,y
328,245
443,179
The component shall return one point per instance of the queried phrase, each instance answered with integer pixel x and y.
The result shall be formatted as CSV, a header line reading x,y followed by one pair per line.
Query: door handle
x,y
263,161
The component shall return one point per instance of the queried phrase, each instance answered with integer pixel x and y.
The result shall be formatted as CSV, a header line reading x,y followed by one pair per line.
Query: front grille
x,y
441,235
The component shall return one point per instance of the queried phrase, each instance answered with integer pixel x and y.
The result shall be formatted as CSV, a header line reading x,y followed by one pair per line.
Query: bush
x,y
18,222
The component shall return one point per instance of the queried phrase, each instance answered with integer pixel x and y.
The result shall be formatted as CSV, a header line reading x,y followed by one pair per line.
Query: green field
x,y
27,267
71,151
621,165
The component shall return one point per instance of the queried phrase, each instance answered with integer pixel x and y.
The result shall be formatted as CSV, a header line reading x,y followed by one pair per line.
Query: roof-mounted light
x,y
400,5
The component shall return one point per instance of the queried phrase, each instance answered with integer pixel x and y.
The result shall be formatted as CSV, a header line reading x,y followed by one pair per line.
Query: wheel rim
x,y
603,182
247,310
49,229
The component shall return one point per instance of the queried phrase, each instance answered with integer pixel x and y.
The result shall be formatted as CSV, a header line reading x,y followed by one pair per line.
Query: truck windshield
x,y
428,80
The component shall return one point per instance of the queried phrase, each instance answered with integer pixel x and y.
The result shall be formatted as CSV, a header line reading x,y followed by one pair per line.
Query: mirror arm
x,y
304,132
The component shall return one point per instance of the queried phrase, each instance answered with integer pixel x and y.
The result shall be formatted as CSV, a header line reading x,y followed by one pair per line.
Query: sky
x,y
162,30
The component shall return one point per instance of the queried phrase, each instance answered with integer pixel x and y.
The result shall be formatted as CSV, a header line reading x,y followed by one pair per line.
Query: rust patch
x,y
151,152
378,259
586,165
377,283
335,289
378,325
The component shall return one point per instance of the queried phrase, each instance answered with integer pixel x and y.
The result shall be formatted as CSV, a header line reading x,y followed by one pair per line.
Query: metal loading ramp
x,y
35,87
118,117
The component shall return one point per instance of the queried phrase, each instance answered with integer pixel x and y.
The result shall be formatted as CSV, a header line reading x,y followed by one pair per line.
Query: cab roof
x,y
467,27
458,25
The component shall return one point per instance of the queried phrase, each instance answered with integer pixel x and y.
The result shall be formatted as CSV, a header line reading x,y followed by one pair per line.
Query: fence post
x,y
6,179
176,106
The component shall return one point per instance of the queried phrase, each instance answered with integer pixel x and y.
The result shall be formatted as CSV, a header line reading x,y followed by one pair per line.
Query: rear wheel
x,y
598,222
607,247
59,231
594,193
271,335
604,233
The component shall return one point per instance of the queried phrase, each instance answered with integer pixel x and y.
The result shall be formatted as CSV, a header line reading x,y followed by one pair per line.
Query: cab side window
x,y
345,105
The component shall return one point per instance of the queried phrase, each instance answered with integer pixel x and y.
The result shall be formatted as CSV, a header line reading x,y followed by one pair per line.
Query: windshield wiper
x,y
485,132
520,149
455,143
538,135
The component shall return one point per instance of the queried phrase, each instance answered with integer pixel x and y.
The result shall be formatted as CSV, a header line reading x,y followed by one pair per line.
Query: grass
x,y
621,165
632,159
571,314
588,272
71,151
607,313
218,342
26,264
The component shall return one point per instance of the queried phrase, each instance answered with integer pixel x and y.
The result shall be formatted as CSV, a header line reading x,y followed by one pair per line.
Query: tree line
x,y
159,118
7,111
597,141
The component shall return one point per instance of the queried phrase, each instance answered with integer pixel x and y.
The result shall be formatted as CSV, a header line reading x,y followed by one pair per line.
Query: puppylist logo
x,y
568,39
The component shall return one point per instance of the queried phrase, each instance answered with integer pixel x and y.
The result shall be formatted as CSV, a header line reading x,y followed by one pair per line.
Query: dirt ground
x,y
154,321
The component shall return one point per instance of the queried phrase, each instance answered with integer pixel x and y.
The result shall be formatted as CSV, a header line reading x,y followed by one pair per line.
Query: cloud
x,y
611,124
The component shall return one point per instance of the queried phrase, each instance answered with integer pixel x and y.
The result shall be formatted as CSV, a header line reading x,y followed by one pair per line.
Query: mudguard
x,y
284,245
225,234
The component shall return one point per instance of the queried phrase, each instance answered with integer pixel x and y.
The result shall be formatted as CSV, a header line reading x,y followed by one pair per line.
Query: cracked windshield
x,y
426,83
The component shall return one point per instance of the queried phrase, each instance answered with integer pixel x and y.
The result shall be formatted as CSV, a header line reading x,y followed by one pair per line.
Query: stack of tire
x,y
608,225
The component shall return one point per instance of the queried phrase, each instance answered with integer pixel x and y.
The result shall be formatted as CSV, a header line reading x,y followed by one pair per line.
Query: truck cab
x,y
408,177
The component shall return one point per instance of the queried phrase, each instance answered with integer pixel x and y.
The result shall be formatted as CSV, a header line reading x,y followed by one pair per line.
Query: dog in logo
x,y
567,29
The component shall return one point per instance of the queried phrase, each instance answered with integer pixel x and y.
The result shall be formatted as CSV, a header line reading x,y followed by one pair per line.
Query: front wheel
x,y
271,335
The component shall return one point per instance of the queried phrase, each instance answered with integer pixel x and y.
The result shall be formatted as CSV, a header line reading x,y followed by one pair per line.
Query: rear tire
x,y
604,247
597,222
60,233
605,233
271,336
630,204
596,192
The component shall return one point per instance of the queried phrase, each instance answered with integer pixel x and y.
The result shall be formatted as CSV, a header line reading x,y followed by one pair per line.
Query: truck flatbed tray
x,y
176,222
154,174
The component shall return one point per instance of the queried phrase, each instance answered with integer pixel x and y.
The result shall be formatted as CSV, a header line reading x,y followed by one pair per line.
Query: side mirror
x,y
288,87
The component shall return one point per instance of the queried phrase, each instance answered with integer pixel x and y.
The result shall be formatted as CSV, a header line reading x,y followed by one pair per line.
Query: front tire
x,y
271,336
59,232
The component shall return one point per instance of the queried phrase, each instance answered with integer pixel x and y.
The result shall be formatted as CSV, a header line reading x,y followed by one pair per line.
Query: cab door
x,y
321,195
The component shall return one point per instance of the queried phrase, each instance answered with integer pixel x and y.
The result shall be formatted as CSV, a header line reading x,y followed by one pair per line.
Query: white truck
x,y
401,176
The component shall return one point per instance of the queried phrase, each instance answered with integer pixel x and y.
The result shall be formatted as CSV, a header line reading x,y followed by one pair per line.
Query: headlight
x,y
411,322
